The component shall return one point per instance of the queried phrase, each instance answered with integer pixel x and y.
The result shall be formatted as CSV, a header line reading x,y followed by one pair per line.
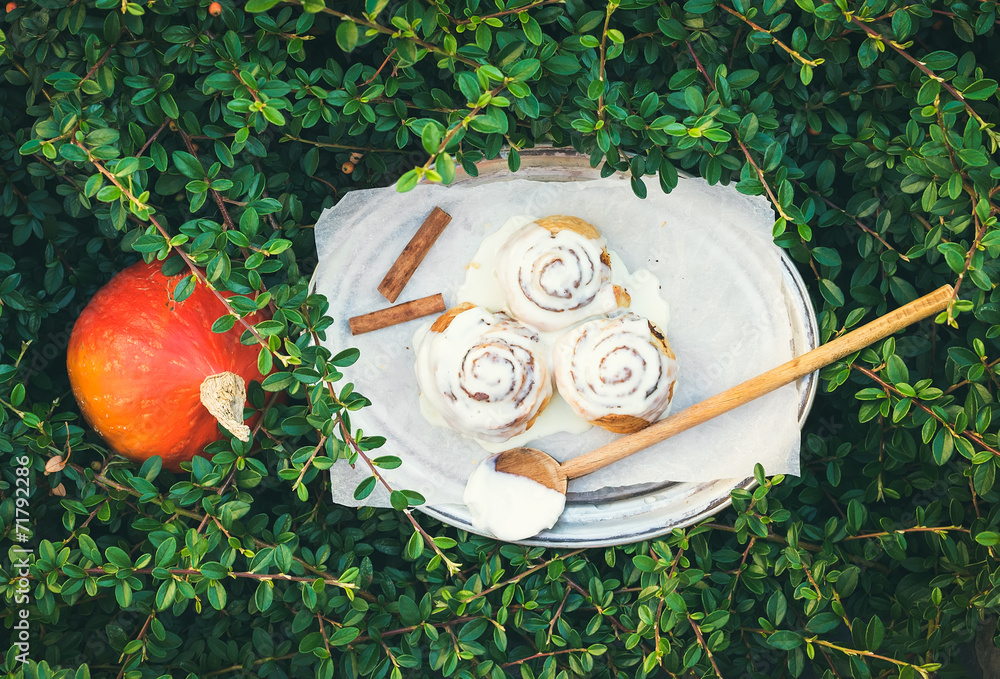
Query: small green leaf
x,y
347,35
365,488
785,640
988,538
260,5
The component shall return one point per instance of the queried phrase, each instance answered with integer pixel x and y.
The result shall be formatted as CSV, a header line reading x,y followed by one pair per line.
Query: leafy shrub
x,y
220,131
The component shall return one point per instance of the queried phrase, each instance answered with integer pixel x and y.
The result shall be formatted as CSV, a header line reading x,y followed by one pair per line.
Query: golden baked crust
x,y
621,424
660,340
541,409
557,223
445,319
622,297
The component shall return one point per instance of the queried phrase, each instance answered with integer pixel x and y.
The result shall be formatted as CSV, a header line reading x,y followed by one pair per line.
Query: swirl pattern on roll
x,y
485,373
556,272
618,373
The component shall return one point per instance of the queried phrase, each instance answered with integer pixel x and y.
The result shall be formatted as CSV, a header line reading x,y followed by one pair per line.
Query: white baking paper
x,y
711,248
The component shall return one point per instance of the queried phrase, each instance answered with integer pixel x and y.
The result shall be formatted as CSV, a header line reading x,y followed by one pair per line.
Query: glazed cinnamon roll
x,y
484,372
556,272
617,373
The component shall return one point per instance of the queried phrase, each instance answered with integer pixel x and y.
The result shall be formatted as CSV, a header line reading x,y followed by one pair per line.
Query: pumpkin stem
x,y
225,394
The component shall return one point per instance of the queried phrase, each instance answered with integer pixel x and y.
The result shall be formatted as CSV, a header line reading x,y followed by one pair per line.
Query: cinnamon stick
x,y
401,313
414,253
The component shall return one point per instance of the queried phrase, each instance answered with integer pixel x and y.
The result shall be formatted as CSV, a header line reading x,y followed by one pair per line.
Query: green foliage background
x,y
156,129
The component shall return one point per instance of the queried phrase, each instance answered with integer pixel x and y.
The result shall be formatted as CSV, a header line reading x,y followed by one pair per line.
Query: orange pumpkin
x,y
146,369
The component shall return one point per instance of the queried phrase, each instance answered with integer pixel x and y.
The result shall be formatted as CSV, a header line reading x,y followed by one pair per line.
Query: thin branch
x,y
153,138
965,382
516,10
346,147
522,576
794,54
763,180
459,125
771,537
514,663
980,232
315,451
872,33
379,70
99,63
235,574
600,75
385,30
142,634
965,434
917,529
871,232
704,646
195,269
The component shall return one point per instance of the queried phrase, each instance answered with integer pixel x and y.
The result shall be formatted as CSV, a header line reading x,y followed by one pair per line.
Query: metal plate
x,y
613,516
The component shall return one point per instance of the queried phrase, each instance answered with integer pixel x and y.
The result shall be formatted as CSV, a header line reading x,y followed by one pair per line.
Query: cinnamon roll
x,y
617,373
556,272
485,373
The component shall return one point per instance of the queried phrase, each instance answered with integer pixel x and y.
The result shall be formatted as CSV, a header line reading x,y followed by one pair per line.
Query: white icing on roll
x,y
554,278
615,372
486,374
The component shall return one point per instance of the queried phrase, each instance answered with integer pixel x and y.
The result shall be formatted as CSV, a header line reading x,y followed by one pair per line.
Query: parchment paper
x,y
710,247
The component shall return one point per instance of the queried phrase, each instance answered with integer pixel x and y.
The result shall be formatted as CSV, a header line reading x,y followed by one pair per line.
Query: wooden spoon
x,y
542,468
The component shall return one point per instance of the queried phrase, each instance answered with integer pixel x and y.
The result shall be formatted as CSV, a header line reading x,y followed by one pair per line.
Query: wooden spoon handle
x,y
882,327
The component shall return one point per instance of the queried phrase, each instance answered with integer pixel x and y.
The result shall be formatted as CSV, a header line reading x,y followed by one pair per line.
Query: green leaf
x,y
347,35
431,137
213,570
398,501
387,462
868,53
273,115
118,557
415,546
408,181
268,328
874,634
260,5
513,160
188,165
822,623
563,65
785,640
699,6
344,636
896,370
980,89
942,446
988,538
278,381
365,488
264,595
184,288
831,293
